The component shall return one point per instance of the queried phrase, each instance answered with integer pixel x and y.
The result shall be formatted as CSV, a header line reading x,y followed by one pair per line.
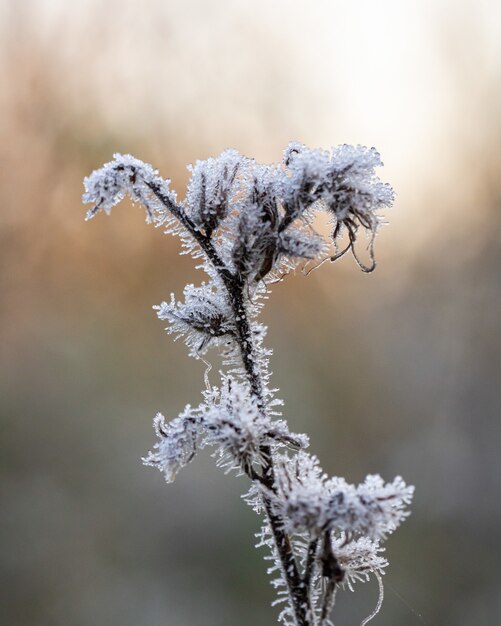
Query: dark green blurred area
x,y
392,373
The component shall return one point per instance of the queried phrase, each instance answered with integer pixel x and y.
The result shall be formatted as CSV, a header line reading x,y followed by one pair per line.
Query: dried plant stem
x,y
310,562
249,222
298,590
333,573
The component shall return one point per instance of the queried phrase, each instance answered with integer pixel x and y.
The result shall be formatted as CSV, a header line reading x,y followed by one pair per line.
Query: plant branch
x,y
203,240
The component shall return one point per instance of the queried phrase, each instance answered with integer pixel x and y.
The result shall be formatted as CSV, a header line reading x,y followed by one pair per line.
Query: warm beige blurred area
x,y
396,372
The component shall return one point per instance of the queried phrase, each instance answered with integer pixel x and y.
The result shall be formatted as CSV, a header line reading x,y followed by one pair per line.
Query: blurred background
x,y
395,372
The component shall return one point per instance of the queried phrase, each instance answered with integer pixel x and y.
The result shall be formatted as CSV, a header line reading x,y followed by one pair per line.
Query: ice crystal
x,y
247,224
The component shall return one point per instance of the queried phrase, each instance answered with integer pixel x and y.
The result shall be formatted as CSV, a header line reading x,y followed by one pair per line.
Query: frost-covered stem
x,y
334,574
298,590
235,288
330,565
310,561
328,603
203,241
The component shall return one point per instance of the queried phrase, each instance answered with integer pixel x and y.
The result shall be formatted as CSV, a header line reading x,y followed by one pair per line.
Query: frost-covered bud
x,y
212,187
237,425
202,319
358,559
293,148
124,175
308,502
342,181
177,443
372,509
304,179
300,493
255,249
353,192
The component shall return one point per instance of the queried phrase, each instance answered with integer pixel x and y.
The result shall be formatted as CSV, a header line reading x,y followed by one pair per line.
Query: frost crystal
x,y
248,224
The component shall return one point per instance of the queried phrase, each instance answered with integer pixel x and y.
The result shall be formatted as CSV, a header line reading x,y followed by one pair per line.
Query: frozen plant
x,y
247,225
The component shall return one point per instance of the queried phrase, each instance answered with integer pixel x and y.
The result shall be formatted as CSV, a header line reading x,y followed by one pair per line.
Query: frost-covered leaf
x,y
255,249
300,494
309,502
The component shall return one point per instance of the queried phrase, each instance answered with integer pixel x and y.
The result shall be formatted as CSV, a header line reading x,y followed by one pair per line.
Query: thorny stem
x,y
298,589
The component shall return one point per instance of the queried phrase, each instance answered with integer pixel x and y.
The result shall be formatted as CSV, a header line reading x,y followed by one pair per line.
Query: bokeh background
x,y
396,372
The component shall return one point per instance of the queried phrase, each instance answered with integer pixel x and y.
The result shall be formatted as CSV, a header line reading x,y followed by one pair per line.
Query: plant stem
x,y
310,561
334,574
298,590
